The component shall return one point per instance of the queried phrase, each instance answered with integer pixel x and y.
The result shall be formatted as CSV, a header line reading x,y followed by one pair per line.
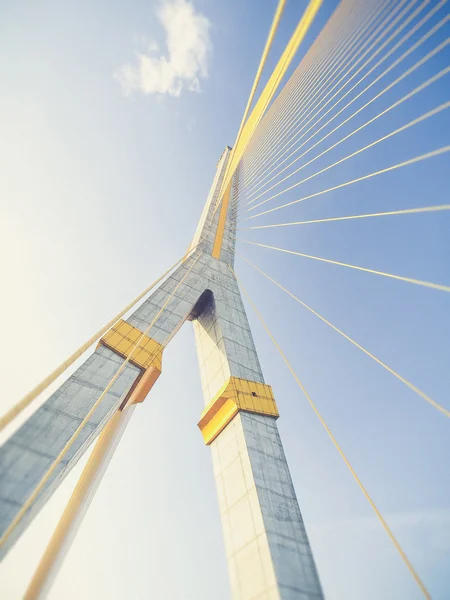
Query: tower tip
x,y
226,150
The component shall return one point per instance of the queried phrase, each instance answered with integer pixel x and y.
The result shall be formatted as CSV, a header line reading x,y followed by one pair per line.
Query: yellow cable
x,y
269,90
434,286
76,433
268,45
396,32
246,130
385,72
245,135
405,163
410,385
304,80
280,132
300,116
408,96
408,72
392,537
34,393
424,117
306,69
406,211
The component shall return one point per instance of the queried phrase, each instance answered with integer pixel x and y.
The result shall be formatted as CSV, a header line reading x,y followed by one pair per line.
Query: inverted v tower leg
x,y
267,547
77,506
268,551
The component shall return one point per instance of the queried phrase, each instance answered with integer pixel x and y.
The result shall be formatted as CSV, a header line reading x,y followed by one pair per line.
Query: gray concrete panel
x,y
27,455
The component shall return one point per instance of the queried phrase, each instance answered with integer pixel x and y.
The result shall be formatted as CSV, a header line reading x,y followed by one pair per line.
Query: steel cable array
x,y
367,52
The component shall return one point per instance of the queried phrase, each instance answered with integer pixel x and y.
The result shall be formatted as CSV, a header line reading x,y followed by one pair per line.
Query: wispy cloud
x,y
188,53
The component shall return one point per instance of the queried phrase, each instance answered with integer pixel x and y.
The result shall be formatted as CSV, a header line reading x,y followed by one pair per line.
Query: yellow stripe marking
x,y
221,224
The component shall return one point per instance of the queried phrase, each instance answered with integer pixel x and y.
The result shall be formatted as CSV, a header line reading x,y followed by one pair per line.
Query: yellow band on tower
x,y
122,338
235,395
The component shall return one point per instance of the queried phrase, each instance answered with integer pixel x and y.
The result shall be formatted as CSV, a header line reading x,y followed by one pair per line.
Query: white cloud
x,y
188,53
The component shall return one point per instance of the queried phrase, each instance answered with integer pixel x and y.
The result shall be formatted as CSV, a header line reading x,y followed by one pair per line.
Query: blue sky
x,y
101,191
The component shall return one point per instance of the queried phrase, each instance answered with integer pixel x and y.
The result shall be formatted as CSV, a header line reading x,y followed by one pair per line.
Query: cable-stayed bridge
x,y
377,68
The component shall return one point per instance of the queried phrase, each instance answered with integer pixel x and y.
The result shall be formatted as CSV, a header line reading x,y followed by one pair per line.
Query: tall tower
x,y
267,548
